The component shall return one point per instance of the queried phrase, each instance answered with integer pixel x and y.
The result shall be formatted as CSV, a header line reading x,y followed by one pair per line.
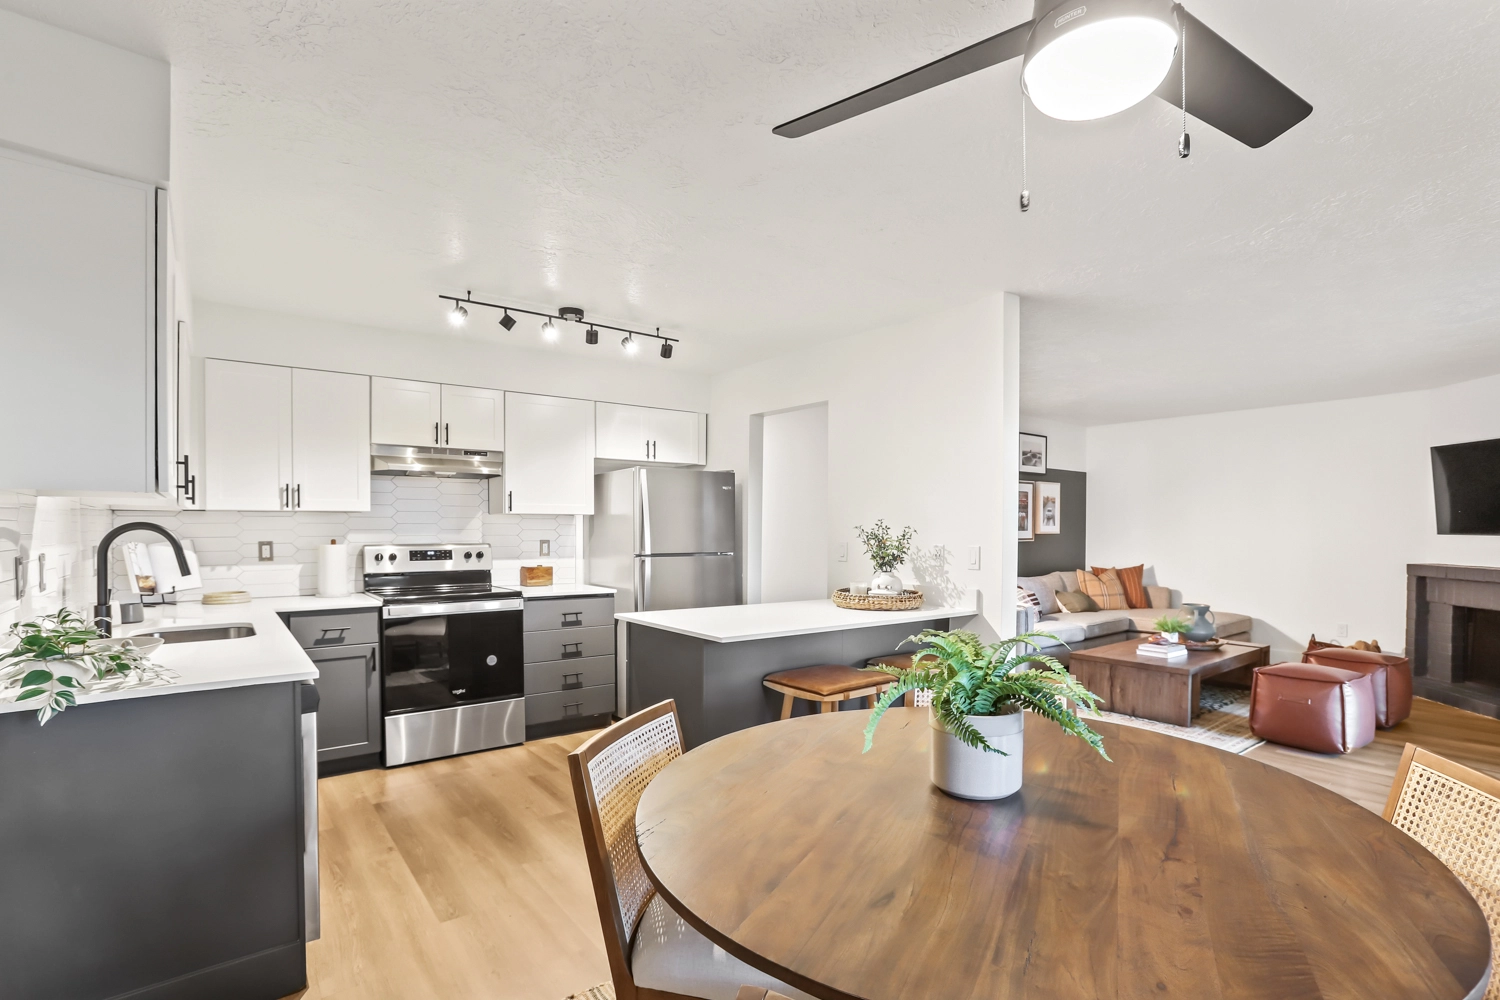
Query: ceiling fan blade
x,y
1228,90
981,55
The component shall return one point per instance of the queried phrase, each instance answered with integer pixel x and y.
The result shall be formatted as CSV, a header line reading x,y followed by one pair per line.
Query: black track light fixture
x,y
508,321
666,349
591,336
551,323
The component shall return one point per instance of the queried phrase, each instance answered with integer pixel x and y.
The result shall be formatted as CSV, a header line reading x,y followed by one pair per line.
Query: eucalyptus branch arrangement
x,y
885,550
57,656
968,677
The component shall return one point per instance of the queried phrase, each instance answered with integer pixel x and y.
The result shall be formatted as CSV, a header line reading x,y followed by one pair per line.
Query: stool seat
x,y
1390,678
827,679
1322,709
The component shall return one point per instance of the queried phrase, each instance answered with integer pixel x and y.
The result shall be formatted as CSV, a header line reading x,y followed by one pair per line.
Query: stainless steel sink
x,y
200,633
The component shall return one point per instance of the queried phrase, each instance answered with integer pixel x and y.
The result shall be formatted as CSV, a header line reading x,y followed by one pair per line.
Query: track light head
x,y
591,336
549,330
508,321
629,344
666,349
458,315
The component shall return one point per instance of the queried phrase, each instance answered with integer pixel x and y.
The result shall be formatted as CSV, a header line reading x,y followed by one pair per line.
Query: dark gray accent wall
x,y
1050,553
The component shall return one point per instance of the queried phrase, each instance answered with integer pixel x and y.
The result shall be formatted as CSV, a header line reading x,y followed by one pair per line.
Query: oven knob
x,y
393,557
468,555
379,556
479,555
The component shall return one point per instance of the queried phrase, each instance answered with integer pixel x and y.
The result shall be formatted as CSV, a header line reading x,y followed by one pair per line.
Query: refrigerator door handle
x,y
643,582
645,545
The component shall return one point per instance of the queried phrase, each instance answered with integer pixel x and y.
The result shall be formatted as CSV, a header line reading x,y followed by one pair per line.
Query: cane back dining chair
x,y
653,953
1454,812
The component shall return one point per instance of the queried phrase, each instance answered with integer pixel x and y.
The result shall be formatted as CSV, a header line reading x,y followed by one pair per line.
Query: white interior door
x,y
247,435
621,432
473,418
549,455
405,412
674,436
330,440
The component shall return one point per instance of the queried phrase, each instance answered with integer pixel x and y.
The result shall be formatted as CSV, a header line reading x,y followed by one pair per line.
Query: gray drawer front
x,y
345,628
559,705
566,675
548,613
569,643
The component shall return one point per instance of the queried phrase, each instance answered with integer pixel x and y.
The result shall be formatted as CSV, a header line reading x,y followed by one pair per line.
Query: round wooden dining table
x,y
1177,870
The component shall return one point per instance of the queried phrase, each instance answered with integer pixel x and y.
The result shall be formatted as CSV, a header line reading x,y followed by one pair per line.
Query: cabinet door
x,y
473,418
348,701
549,455
621,432
330,440
674,436
406,412
247,435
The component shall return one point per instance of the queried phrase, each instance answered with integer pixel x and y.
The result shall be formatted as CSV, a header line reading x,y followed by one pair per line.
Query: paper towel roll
x,y
333,570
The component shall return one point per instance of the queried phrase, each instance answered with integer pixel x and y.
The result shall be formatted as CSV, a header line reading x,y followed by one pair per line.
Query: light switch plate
x,y
1343,631
843,552
544,547
973,557
265,551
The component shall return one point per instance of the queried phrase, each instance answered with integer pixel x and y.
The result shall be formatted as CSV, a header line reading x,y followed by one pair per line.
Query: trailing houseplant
x,y
59,656
887,551
979,692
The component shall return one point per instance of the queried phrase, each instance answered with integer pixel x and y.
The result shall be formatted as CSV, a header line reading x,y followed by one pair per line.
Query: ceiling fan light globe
x,y
1101,66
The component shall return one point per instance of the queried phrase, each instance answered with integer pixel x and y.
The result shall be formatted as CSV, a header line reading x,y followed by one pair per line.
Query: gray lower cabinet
x,y
345,647
570,663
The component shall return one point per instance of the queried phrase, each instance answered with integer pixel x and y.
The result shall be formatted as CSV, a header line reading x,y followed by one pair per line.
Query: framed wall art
x,y
1034,453
1048,508
1025,507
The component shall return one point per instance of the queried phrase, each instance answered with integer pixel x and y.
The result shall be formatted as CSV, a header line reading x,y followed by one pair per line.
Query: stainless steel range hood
x,y
445,463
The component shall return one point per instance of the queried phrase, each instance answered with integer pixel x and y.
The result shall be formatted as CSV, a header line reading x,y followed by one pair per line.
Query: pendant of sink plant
x,y
886,551
980,694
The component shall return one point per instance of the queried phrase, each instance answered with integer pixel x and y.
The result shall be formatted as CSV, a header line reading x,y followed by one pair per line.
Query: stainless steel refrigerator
x,y
663,539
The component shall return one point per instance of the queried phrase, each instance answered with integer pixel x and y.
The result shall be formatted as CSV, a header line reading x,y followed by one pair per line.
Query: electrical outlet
x,y
973,557
265,551
1343,632
544,547
940,554
843,552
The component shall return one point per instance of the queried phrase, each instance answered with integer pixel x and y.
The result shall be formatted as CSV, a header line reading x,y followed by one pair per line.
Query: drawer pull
x,y
572,680
572,619
572,650
574,708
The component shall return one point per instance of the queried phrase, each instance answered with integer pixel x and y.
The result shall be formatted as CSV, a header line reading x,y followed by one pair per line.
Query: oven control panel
x,y
424,558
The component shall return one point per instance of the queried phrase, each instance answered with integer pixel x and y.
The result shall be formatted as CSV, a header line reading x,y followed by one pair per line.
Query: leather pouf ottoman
x,y
1317,708
1390,678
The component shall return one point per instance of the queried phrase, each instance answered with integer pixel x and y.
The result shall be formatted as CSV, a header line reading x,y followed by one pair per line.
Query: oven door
x,y
443,656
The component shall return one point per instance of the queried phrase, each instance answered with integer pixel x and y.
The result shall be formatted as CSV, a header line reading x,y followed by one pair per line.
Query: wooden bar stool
x,y
902,661
827,684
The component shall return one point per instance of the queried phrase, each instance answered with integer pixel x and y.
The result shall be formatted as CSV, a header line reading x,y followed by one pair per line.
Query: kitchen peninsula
x,y
711,661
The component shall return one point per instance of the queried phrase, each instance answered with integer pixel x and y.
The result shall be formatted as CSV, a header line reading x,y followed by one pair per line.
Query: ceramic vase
x,y
1202,627
886,583
966,773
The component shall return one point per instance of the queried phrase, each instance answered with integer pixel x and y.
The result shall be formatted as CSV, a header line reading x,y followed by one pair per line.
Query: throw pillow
x,y
1041,590
1106,590
1075,601
1161,597
1026,599
1132,578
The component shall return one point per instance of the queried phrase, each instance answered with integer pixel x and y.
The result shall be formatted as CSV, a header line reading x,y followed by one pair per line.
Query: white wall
x,y
241,334
794,505
1304,517
84,102
917,434
1067,444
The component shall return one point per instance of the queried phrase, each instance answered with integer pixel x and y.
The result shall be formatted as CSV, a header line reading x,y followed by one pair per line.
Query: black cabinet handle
x,y
572,708
189,485
572,619
445,434
575,682
509,500
297,496
572,650
436,438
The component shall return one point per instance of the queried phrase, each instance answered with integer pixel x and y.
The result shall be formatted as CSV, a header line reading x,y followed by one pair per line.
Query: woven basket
x,y
907,600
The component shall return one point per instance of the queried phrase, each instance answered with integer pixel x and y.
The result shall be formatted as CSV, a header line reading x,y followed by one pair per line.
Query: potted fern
x,y
979,692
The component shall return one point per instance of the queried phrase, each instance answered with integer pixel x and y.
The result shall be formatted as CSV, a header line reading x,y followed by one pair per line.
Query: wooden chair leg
x,y
786,706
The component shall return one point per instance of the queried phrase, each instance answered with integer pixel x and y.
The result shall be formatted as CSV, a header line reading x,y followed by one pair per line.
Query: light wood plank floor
x,y
464,879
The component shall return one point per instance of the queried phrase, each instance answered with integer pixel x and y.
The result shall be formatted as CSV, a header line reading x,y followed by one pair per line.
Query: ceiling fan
x,y
1082,61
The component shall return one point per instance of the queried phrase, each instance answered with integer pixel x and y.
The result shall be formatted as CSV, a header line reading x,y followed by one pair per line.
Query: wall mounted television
x,y
1466,486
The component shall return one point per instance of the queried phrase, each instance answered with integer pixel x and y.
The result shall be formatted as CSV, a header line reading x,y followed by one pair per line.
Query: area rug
x,y
1223,720
604,991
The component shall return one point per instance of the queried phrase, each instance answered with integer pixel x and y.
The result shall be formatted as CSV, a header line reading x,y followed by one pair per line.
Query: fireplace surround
x,y
1453,634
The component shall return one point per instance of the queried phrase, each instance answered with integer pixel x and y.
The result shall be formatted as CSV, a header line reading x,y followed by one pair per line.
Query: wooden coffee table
x,y
1149,688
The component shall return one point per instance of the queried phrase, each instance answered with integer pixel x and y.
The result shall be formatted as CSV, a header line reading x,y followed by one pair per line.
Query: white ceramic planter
x,y
886,583
978,774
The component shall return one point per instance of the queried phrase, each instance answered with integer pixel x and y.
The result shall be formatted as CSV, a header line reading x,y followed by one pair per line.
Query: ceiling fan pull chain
x,y
1185,144
1025,193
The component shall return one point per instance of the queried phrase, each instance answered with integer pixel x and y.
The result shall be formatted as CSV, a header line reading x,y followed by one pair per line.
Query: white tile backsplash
x,y
402,511
46,554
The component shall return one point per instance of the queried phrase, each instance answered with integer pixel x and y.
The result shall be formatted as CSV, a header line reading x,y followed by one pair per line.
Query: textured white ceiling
x,y
351,158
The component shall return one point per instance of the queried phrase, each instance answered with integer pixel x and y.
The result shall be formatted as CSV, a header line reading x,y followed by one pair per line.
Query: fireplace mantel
x,y
1441,601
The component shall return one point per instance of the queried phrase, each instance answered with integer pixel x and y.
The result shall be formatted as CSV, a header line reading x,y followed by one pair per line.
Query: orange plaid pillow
x,y
1105,589
1132,578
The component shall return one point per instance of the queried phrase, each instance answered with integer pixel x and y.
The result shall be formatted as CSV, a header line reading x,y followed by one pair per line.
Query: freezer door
x,y
665,583
683,510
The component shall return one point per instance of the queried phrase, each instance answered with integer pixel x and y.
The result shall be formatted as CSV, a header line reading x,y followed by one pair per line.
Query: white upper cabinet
x,y
330,440
549,456
405,412
649,434
284,438
473,419
247,433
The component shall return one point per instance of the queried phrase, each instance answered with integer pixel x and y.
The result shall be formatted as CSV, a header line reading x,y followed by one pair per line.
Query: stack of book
x,y
1169,651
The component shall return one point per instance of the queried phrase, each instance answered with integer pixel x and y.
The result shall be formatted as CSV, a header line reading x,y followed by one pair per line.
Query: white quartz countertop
x,y
742,622
563,590
269,656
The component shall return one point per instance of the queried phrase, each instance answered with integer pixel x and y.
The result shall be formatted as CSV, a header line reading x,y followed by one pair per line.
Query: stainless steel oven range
x,y
452,663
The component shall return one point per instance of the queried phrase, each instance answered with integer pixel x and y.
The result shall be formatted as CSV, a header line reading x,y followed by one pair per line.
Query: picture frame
x,y
1025,506
1034,453
1048,508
